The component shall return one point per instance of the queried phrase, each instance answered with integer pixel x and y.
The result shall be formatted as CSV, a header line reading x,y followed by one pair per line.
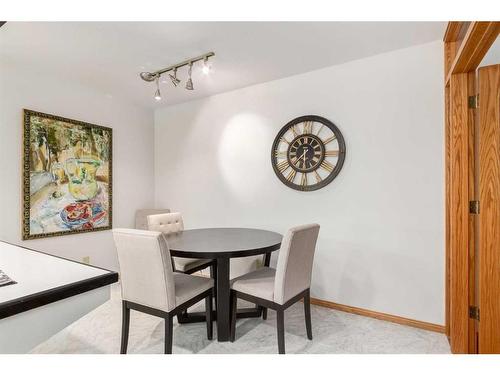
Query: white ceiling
x,y
109,55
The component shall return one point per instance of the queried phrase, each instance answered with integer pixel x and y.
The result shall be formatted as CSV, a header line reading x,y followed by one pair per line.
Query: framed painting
x,y
67,178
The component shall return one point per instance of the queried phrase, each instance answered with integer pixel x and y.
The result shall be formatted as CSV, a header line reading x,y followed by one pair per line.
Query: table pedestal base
x,y
198,317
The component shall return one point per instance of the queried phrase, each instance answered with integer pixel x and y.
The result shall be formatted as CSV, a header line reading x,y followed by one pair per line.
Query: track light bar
x,y
155,76
151,76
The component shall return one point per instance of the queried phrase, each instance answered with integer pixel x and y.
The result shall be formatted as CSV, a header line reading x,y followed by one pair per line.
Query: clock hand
x,y
298,158
304,158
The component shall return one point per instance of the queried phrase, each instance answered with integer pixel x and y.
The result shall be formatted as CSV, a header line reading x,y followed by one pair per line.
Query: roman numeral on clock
x,y
283,166
308,127
318,177
327,166
283,139
291,176
328,140
303,180
332,153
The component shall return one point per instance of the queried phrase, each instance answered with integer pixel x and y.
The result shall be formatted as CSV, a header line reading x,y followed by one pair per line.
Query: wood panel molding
x,y
378,315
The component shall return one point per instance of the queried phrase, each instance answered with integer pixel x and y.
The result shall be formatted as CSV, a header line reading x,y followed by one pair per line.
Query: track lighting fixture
x,y
189,82
155,76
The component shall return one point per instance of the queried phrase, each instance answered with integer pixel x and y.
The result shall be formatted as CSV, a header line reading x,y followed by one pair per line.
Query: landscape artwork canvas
x,y
67,176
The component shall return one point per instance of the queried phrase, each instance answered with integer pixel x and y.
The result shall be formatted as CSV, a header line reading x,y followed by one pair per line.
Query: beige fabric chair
x,y
280,288
141,216
149,285
169,223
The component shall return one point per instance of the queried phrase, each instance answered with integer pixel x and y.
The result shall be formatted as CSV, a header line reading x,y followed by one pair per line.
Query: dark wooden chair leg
x,y
267,261
168,334
281,331
208,312
307,314
125,327
234,308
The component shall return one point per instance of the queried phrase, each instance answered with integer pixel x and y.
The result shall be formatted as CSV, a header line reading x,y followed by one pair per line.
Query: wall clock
x,y
308,153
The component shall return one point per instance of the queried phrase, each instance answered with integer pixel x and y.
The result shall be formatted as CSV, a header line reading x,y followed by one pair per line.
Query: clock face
x,y
308,153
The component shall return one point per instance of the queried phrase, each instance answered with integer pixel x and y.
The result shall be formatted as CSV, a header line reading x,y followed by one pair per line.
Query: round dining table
x,y
222,244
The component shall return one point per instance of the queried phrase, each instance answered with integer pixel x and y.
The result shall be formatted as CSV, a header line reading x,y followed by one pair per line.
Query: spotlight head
x,y
157,95
189,82
206,67
174,79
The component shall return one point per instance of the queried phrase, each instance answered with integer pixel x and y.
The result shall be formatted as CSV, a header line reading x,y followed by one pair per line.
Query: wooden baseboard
x,y
378,315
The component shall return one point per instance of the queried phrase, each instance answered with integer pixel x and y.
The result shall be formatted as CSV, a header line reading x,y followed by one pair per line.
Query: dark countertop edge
x,y
45,297
48,296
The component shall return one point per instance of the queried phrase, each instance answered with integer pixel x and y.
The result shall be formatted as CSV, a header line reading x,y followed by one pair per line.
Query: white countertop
x,y
36,272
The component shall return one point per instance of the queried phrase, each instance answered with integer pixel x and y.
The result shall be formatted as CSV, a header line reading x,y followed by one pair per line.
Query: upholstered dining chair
x,y
149,284
141,216
280,288
169,223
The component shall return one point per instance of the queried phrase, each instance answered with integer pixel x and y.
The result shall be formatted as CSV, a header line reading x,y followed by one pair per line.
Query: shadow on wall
x,y
244,155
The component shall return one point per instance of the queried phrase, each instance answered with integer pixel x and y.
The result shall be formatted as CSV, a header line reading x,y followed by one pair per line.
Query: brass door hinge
x,y
474,101
474,312
474,207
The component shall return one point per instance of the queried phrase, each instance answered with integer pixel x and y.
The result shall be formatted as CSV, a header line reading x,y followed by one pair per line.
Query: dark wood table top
x,y
210,243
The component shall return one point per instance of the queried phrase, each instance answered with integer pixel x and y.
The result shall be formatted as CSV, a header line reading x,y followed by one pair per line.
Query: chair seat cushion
x,y
259,283
189,286
186,264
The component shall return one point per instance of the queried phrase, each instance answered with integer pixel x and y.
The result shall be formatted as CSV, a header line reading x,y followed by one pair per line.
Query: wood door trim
x,y
379,315
459,213
452,31
478,39
447,209
489,190
471,159
462,55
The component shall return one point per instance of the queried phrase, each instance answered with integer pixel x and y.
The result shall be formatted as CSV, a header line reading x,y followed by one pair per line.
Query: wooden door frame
x,y
465,45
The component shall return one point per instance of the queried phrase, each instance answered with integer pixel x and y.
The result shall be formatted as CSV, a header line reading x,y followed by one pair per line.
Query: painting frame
x,y
26,193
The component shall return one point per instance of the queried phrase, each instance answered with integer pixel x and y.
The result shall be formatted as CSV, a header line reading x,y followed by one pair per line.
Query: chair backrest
x,y
145,268
141,216
166,223
295,261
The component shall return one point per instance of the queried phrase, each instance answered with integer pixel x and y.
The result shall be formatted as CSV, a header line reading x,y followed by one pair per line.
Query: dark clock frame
x,y
338,166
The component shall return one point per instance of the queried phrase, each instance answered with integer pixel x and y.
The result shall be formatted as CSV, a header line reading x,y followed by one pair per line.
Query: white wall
x,y
22,87
381,244
492,57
